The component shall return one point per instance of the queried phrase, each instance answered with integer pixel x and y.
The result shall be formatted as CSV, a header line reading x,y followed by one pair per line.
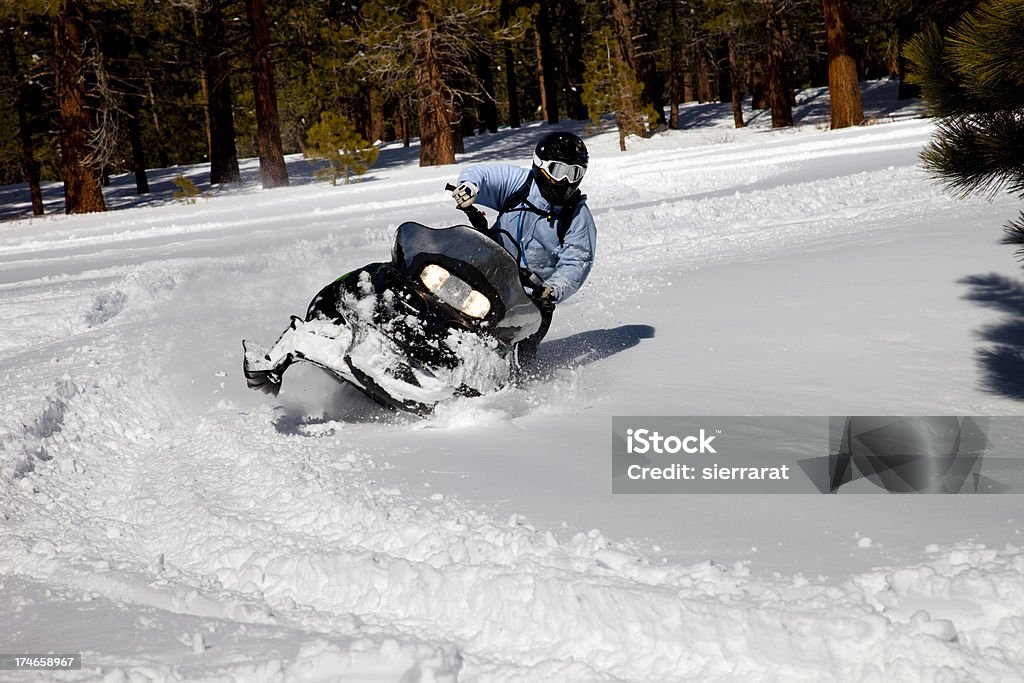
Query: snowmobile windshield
x,y
473,256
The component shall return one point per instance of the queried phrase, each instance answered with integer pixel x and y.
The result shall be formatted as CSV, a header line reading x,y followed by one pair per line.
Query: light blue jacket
x,y
562,266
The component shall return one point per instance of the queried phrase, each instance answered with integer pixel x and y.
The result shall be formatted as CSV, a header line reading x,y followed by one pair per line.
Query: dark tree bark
x,y
778,97
573,65
736,84
133,107
223,153
459,135
704,92
724,77
511,82
843,85
29,165
154,110
653,87
433,98
82,192
273,171
375,103
403,123
758,87
546,70
488,108
675,76
622,24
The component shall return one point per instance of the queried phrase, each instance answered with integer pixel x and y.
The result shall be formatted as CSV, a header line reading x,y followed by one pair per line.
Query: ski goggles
x,y
559,170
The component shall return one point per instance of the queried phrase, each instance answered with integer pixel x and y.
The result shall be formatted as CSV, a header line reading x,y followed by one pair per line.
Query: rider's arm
x,y
497,182
576,255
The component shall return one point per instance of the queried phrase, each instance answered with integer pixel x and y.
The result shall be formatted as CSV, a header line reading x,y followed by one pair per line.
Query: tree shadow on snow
x,y
1002,361
588,347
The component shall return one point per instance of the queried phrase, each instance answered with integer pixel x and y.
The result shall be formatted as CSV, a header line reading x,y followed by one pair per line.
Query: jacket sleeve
x,y
576,255
497,182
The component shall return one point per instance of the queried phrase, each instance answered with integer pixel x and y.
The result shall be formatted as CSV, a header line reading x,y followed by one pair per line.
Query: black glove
x,y
545,298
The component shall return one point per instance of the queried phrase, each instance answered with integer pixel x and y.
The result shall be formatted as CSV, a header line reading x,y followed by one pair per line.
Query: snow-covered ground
x,y
169,524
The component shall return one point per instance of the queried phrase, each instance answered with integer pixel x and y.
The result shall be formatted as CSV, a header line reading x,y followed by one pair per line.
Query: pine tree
x,y
335,140
739,25
972,77
425,52
611,86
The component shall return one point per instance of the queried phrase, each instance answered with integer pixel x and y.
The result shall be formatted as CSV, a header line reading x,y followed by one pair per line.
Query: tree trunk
x,y
488,109
758,87
161,148
736,85
843,85
375,103
402,124
432,96
82,192
674,67
223,153
653,88
573,63
627,118
204,81
273,171
133,107
511,82
622,24
29,165
778,98
703,90
540,76
722,65
546,63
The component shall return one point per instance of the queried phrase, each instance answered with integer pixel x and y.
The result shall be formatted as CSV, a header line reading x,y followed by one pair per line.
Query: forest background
x,y
94,88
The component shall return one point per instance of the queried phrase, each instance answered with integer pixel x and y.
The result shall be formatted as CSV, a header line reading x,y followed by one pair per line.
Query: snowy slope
x,y
171,525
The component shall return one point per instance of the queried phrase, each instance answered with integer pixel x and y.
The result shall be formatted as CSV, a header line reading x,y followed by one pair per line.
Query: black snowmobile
x,y
443,318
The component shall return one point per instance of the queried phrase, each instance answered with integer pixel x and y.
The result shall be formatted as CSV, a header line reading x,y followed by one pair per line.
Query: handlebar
x,y
479,222
476,216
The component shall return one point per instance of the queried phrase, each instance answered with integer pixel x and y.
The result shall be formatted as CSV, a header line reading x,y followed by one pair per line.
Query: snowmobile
x,y
443,318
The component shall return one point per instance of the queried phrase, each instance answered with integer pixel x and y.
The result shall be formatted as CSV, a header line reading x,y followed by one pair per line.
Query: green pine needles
x,y
972,78
334,139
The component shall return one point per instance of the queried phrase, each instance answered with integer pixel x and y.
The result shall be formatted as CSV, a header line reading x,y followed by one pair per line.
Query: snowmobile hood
x,y
416,245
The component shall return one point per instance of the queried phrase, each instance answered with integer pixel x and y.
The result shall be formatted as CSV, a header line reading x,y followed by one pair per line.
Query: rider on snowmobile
x,y
544,211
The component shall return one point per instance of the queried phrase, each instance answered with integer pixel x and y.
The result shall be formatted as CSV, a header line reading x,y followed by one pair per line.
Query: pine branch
x,y
1014,234
979,153
986,47
929,68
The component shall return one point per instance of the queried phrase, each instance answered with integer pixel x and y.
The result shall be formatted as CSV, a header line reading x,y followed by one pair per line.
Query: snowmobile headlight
x,y
434,277
455,291
476,305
